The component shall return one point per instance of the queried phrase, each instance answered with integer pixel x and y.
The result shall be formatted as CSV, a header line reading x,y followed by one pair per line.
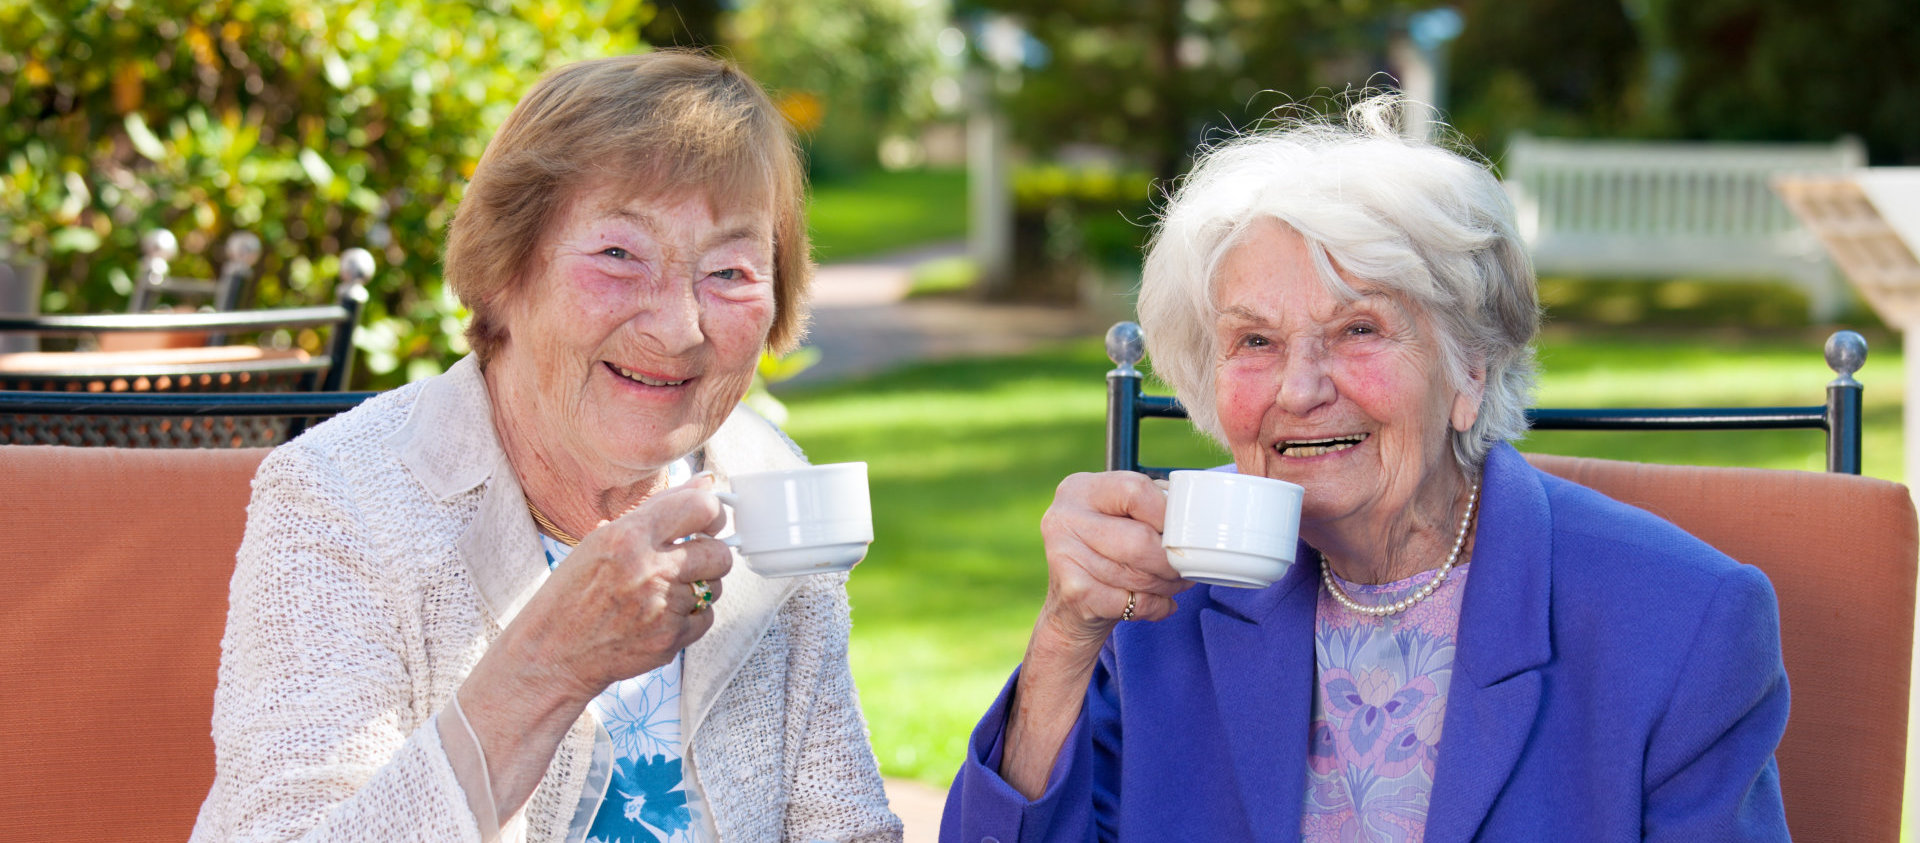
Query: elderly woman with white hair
x,y
1467,648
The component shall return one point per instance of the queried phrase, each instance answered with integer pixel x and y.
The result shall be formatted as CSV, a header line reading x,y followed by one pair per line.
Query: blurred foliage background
x,y
319,127
324,126
1135,87
1153,79
852,74
1747,70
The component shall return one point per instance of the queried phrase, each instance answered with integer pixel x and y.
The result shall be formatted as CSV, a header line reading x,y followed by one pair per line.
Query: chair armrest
x,y
273,404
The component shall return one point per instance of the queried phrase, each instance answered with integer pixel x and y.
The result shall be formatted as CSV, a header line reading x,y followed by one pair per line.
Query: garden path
x,y
864,323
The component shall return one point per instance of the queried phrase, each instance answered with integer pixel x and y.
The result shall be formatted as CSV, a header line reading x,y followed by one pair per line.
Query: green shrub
x,y
1071,220
320,127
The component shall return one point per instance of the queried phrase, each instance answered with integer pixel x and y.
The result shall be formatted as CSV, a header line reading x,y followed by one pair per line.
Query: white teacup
x,y
811,520
1231,529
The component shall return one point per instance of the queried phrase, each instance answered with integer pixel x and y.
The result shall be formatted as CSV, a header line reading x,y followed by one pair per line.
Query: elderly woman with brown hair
x,y
489,605
1465,648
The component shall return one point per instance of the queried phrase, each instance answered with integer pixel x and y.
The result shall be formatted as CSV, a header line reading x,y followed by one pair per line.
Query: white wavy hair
x,y
1405,215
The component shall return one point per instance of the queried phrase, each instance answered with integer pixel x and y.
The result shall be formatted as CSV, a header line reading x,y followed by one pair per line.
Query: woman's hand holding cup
x,y
624,602
1105,564
622,605
1104,556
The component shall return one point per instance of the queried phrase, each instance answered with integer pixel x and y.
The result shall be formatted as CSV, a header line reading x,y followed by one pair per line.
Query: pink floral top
x,y
1381,695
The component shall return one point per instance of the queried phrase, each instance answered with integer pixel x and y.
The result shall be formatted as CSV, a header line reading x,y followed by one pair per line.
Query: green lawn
x,y
878,211
964,457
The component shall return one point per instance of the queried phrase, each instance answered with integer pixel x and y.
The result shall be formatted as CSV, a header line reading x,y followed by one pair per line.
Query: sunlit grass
x,y
944,276
964,457
879,211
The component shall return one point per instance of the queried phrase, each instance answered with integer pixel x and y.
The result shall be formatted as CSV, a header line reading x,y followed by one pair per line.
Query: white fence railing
x,y
1667,209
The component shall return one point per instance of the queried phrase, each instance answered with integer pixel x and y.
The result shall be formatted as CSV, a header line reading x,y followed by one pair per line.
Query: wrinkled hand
x,y
1102,537
621,605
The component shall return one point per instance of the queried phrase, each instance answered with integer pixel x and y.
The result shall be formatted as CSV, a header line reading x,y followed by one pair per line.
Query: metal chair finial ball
x,y
356,266
159,243
1125,344
1846,352
244,247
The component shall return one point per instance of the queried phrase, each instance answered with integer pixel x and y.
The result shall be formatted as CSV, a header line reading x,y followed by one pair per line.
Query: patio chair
x,y
1840,549
159,247
113,652
112,642
230,368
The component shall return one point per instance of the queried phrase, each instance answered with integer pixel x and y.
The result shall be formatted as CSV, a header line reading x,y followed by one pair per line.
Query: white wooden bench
x,y
1665,209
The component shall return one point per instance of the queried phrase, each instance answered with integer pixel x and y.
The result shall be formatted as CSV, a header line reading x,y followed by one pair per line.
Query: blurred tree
x,y
1776,70
319,126
1789,70
1554,67
1122,93
1152,79
847,72
683,23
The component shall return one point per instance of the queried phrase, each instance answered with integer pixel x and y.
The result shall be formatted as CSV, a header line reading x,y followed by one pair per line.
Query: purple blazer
x,y
1614,679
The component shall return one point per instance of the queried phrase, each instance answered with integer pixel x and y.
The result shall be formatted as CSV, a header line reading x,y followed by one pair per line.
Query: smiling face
x,y
637,333
1346,398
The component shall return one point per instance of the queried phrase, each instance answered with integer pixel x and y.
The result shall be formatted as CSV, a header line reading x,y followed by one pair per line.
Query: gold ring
x,y
702,596
1132,598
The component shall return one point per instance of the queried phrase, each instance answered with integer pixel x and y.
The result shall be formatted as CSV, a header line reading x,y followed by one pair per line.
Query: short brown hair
x,y
669,120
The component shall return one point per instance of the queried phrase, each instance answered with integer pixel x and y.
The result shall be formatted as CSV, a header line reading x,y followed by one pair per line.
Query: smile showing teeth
x,y
1300,448
640,378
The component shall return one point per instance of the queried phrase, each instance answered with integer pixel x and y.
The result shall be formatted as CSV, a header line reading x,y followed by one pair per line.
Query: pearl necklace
x,y
1385,609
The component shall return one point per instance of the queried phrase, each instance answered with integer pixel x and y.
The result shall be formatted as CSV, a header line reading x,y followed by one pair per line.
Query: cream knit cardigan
x,y
387,548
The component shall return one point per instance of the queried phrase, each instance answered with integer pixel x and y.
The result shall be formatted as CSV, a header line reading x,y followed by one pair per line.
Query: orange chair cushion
x,y
121,561
1841,552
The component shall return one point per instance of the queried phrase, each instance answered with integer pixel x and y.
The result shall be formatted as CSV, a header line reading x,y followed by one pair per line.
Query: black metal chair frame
x,y
199,404
1840,417
159,247
299,410
332,367
356,268
303,408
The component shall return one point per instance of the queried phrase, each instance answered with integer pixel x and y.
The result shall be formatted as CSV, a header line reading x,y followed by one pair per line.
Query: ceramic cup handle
x,y
731,501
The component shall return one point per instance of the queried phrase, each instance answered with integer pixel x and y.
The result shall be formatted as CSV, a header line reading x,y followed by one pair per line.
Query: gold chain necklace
x,y
1384,609
564,537
551,528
